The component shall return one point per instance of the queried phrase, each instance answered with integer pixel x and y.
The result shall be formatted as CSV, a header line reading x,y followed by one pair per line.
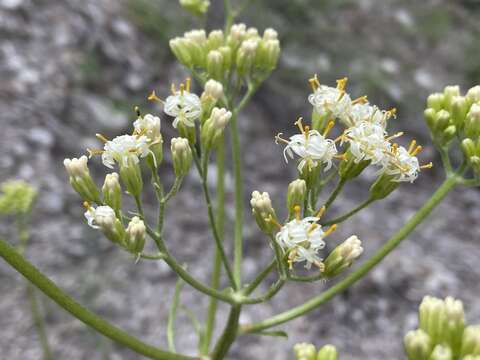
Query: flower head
x,y
402,164
100,217
183,105
364,112
330,100
148,125
123,149
367,142
311,146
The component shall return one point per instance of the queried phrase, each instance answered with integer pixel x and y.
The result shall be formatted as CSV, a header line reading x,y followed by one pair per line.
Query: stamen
x,y
101,137
300,125
307,131
93,152
86,205
360,100
278,139
314,83
291,258
342,93
329,127
342,84
321,212
271,220
297,211
427,166
391,113
394,148
153,97
330,230
394,136
182,89
412,146
312,228
320,265
173,90
417,150
341,156
188,82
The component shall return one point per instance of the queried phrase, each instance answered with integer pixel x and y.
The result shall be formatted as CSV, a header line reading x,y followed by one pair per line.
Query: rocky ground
x,y
70,69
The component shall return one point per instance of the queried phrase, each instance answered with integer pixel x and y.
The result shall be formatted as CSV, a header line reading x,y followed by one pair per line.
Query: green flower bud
x,y
215,39
237,35
383,186
213,128
213,90
131,176
196,7
270,34
297,190
460,108
17,197
473,95
112,192
105,219
180,48
187,132
469,148
432,318
442,120
227,58
472,122
343,256
246,56
215,63
455,324
450,92
267,54
135,239
471,340
430,115
441,352
263,211
328,352
181,156
304,351
81,180
350,168
197,46
436,101
449,133
418,345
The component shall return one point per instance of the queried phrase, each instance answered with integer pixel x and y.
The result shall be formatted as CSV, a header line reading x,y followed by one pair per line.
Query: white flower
x,y
360,112
302,240
403,165
367,142
184,106
149,125
100,217
330,100
351,249
77,167
124,148
312,147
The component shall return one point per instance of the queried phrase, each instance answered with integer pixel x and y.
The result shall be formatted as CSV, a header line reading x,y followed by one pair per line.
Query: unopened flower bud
x,y
472,122
180,49
270,34
131,176
237,34
343,256
297,190
215,39
327,352
215,65
471,340
112,192
436,101
473,95
432,318
181,156
455,323
251,33
469,148
441,352
267,54
80,179
226,52
263,211
383,186
135,239
246,56
16,197
450,92
459,110
196,7
213,89
417,345
304,351
197,36
105,219
214,127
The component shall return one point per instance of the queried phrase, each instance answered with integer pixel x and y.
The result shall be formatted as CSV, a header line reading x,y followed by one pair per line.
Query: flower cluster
x,y
453,116
241,52
16,197
442,332
305,351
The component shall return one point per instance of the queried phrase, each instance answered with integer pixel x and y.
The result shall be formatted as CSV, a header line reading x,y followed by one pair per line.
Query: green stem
x,y
172,316
39,323
274,289
229,334
217,262
349,214
391,244
65,301
308,278
336,191
229,15
164,200
260,277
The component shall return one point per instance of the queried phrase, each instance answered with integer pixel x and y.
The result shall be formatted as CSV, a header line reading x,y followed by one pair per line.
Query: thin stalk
x,y
260,277
39,322
229,334
308,278
65,301
172,316
274,289
164,200
138,201
352,212
217,262
368,265
336,191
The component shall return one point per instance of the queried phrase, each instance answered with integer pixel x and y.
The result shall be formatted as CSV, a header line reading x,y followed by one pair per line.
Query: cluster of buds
x,y
305,351
451,115
16,197
364,138
442,332
241,52
196,7
302,238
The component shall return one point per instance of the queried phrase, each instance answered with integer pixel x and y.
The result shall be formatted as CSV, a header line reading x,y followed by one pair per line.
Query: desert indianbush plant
x,y
341,138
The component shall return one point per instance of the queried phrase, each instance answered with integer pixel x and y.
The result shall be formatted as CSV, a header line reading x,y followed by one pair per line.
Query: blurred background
x,y
72,68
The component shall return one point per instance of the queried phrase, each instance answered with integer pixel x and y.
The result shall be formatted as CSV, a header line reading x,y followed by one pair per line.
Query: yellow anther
x,y
412,146
417,150
278,138
101,137
86,205
307,131
314,83
271,220
320,265
342,83
300,125
329,127
312,228
427,166
182,89
93,152
153,97
342,94
394,148
330,230
297,209
188,82
394,136
391,113
321,212
291,258
360,100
